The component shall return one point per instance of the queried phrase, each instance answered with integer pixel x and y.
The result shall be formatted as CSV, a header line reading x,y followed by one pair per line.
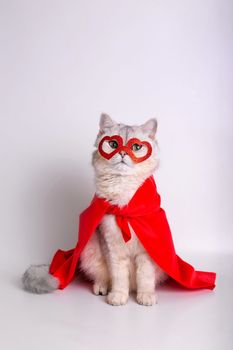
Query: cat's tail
x,y
37,279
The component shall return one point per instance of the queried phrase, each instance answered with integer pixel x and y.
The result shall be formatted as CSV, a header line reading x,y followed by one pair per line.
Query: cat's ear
x,y
150,127
106,122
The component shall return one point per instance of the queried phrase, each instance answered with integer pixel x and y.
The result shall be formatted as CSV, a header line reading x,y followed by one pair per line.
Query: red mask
x,y
127,148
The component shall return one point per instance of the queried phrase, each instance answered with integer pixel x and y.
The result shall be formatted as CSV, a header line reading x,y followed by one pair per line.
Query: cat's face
x,y
126,150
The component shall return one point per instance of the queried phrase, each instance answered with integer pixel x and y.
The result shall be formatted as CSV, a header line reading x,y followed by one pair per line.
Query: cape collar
x,y
144,201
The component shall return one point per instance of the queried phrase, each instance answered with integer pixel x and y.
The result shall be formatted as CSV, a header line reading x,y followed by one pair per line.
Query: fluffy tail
x,y
37,279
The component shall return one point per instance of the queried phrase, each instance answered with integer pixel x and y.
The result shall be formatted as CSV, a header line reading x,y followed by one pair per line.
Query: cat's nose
x,y
122,153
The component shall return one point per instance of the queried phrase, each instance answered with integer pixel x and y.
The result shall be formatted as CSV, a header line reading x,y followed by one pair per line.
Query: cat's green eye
x,y
136,147
113,144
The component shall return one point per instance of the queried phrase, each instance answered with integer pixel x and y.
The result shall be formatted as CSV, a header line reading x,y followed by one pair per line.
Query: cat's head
x,y
125,150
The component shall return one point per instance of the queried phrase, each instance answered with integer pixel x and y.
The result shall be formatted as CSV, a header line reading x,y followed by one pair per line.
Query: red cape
x,y
149,222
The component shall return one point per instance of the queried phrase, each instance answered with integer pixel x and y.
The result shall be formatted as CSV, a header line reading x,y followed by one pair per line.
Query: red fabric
x,y
149,223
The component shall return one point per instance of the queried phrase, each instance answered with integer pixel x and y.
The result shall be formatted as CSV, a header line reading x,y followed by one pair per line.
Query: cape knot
x,y
115,210
122,220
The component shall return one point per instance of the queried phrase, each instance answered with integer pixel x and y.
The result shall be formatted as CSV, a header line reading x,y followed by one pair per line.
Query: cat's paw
x,y
117,298
100,288
147,299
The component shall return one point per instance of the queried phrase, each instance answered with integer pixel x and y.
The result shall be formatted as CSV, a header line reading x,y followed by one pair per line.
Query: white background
x,y
62,63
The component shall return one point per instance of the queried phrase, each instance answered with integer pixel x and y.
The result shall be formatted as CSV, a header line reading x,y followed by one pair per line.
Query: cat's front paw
x,y
117,298
100,288
146,298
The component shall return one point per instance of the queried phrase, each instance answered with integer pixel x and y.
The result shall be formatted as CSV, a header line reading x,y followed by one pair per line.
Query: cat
x,y
114,267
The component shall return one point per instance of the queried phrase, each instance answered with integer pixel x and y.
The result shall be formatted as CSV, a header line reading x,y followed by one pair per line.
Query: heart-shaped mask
x,y
130,148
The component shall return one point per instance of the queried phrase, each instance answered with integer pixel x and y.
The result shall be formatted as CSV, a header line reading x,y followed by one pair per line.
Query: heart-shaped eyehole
x,y
133,156
116,138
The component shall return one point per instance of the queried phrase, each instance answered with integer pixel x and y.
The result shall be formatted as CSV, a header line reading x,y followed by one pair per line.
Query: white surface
x,y
61,64
76,319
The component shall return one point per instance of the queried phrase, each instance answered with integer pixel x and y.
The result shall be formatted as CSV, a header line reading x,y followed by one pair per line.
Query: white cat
x,y
115,267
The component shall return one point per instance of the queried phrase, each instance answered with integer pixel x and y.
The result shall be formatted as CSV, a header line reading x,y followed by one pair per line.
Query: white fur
x,y
110,262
